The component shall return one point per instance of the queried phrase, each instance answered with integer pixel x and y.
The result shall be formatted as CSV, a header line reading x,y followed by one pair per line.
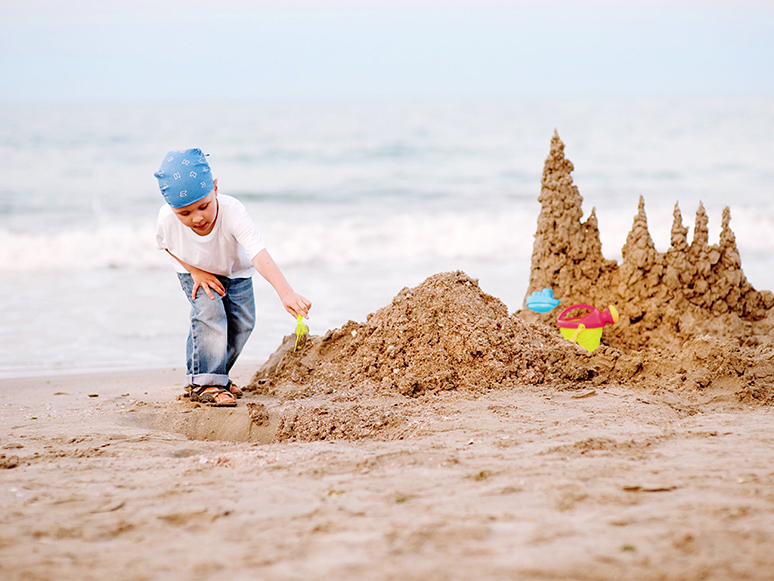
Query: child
x,y
216,249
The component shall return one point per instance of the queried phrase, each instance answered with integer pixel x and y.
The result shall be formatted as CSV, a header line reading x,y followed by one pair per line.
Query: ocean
x,y
355,201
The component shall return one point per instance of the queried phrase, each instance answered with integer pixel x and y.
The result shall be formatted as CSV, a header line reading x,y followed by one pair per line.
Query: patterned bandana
x,y
184,177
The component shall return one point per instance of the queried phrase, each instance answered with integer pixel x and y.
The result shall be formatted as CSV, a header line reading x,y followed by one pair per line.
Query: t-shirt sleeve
x,y
246,233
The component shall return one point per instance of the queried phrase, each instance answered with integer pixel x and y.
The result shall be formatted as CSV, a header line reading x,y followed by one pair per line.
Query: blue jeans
x,y
219,329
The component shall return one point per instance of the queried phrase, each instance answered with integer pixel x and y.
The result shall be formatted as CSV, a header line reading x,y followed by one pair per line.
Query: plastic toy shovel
x,y
586,330
301,329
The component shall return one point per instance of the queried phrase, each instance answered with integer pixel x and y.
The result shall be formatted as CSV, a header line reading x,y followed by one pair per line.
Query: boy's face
x,y
200,216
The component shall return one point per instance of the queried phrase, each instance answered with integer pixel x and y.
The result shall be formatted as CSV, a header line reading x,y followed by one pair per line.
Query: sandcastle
x,y
664,298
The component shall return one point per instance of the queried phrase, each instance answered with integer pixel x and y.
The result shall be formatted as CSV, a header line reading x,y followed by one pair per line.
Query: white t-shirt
x,y
227,251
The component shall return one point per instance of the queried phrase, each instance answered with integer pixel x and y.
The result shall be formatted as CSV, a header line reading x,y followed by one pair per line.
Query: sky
x,y
175,50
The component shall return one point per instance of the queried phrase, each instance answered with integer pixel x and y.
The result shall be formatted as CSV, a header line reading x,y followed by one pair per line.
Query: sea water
x,y
355,201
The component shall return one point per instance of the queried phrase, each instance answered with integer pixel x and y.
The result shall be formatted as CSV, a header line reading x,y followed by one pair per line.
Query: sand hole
x,y
253,420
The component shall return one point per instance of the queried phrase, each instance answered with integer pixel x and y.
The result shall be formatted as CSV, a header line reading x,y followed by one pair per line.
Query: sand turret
x,y
700,231
677,272
679,232
642,266
567,253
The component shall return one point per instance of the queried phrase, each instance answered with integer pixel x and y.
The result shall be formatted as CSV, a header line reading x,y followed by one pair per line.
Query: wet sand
x,y
605,482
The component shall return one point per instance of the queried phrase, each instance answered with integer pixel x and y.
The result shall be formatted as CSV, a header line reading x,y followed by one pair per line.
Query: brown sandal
x,y
233,388
208,395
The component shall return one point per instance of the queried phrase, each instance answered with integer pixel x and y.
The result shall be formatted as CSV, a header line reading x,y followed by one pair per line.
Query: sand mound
x,y
445,334
692,330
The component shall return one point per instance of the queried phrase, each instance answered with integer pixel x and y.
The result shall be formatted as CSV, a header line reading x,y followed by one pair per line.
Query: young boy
x,y
216,248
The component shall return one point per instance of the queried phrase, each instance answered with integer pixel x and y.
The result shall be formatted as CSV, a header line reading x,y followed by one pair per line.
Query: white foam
x,y
102,247
420,237
360,239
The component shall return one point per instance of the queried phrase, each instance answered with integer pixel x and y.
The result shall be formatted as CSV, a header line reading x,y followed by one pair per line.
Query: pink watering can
x,y
586,330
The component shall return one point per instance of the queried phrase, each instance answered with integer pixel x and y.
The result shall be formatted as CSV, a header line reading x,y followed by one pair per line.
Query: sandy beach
x,y
541,482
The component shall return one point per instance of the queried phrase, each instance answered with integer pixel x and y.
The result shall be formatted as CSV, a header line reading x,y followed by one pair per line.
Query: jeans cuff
x,y
207,379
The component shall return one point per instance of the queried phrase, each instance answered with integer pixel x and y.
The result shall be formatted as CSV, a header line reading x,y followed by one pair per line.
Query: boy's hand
x,y
203,279
296,305
207,281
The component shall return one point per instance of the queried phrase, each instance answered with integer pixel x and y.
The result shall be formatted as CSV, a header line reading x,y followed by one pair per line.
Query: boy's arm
x,y
293,302
206,280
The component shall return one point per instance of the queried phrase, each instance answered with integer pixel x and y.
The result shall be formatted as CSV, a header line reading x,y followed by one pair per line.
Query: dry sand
x,y
442,438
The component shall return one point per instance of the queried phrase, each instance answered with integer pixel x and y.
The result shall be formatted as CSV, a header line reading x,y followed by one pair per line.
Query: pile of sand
x,y
445,334
692,330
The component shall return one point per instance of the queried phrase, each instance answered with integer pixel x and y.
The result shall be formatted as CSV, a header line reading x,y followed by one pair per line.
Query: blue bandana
x,y
184,177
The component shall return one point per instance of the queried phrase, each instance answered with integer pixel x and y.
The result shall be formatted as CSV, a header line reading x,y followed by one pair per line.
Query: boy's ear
x,y
215,187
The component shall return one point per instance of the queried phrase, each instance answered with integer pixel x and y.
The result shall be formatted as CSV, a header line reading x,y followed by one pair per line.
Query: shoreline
x,y
10,376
